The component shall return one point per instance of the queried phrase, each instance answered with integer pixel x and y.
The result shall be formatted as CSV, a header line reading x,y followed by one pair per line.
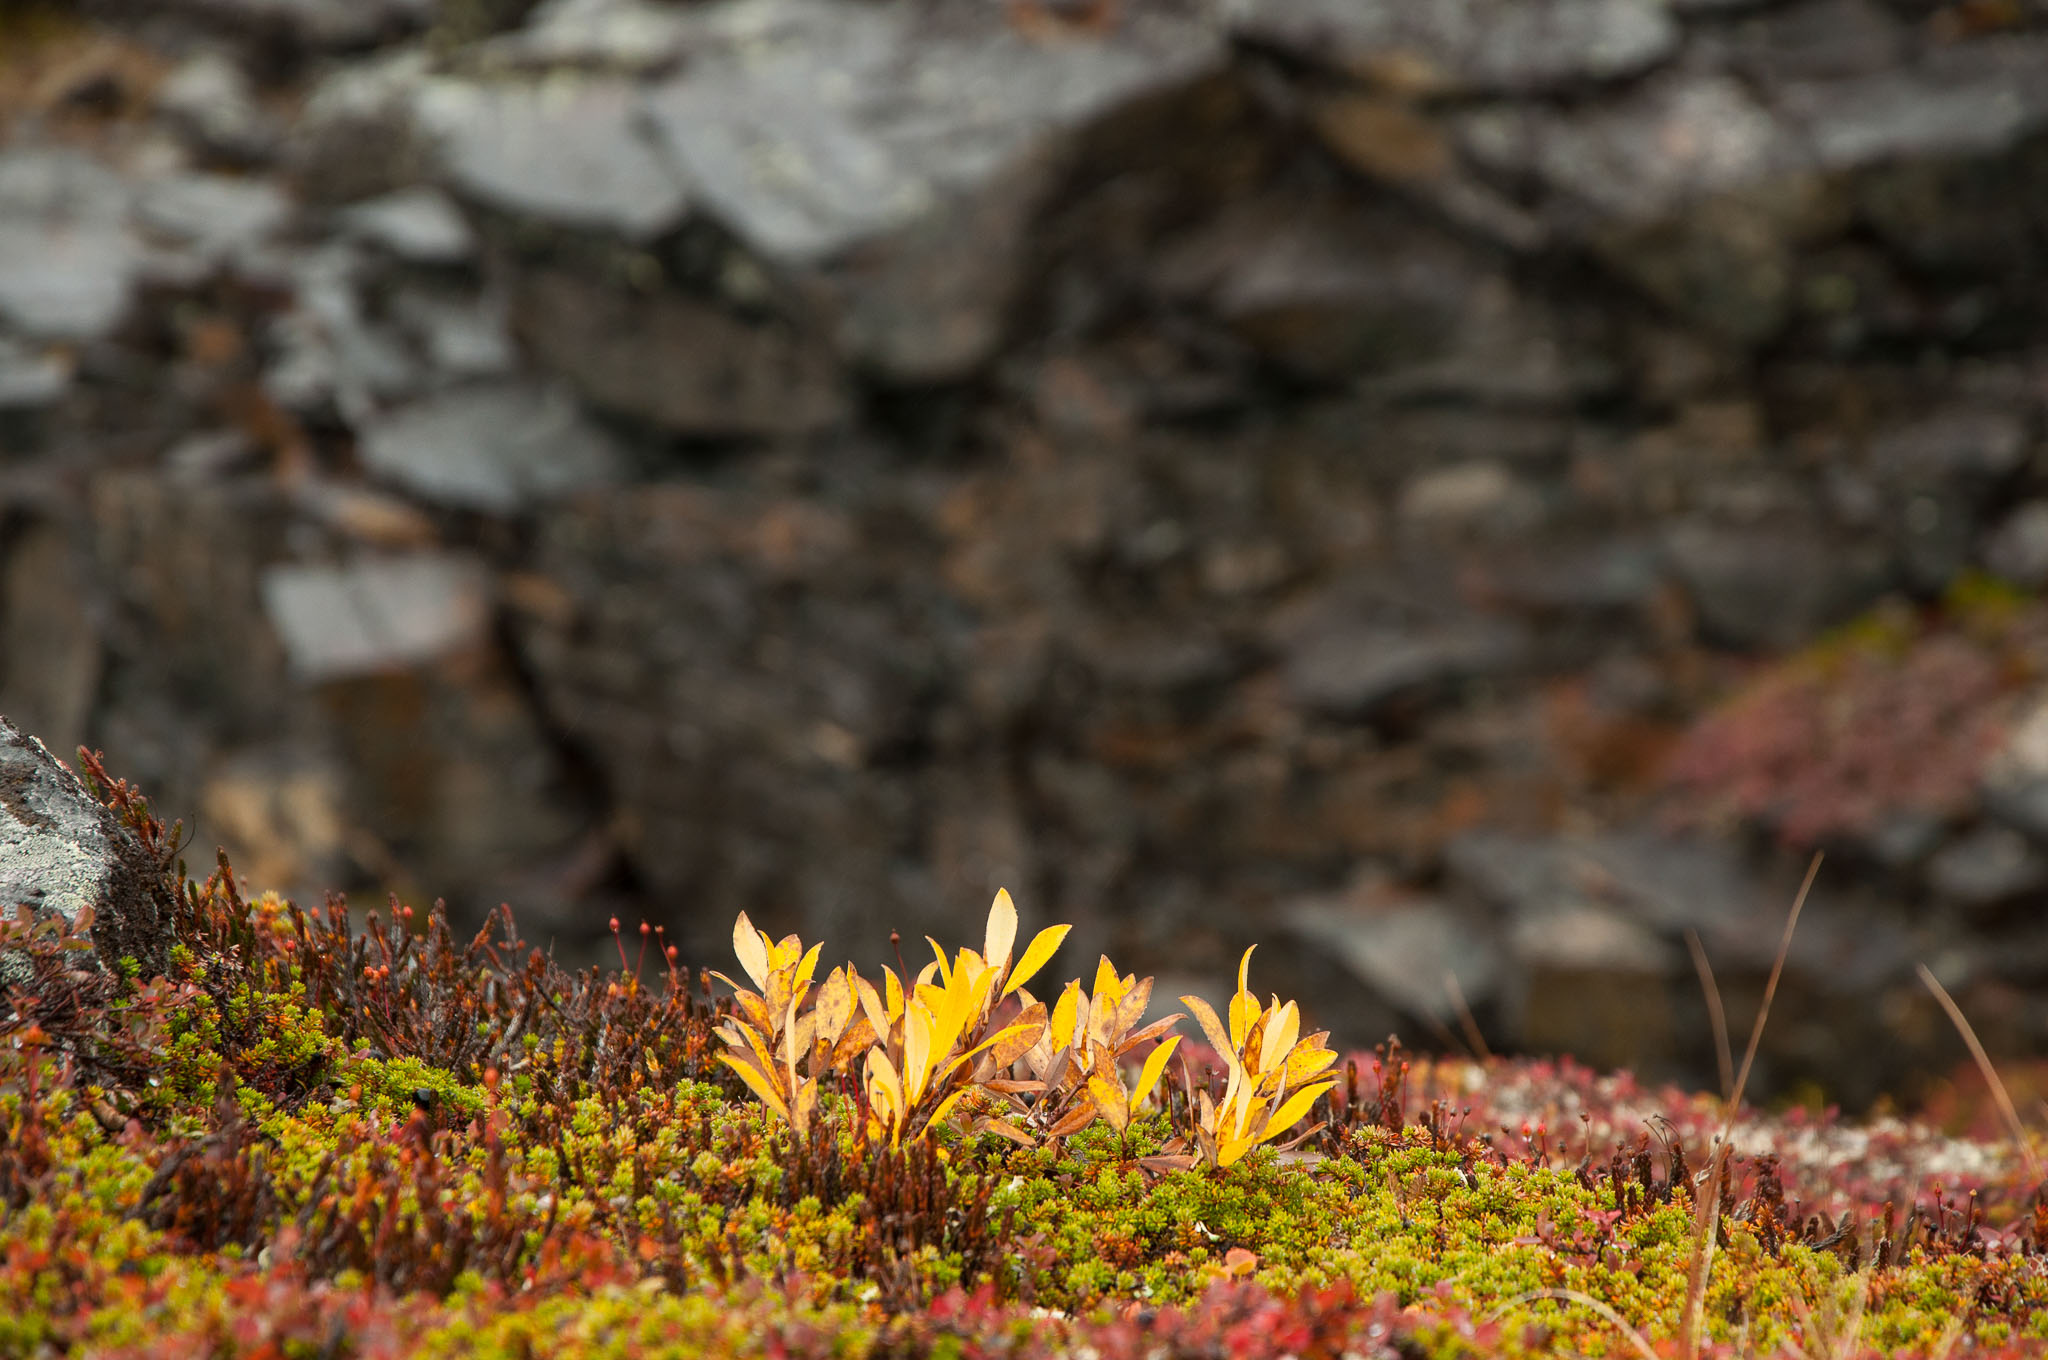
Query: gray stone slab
x,y
29,378
496,448
1973,99
421,225
216,216
1771,585
1470,46
68,260
635,36
566,150
677,361
212,99
916,138
1356,670
1405,951
462,337
1987,868
324,24
1681,138
377,615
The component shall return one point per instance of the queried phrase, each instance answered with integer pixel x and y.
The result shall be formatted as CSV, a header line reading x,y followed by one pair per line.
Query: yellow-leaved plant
x,y
1077,1064
921,1049
771,1035
1273,1070
933,1041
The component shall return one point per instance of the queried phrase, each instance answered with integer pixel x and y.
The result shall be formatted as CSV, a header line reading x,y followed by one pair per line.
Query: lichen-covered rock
x,y
63,852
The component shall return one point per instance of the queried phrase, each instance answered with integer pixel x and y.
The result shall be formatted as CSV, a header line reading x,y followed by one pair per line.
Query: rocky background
x,y
1379,478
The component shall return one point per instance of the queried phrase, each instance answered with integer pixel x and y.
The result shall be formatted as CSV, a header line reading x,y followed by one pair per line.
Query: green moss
x,y
276,1131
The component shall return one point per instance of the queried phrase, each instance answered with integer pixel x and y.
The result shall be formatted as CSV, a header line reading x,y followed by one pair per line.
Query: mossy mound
x,y
317,1139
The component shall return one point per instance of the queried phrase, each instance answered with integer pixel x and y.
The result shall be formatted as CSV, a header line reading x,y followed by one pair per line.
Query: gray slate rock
x,y
1969,99
461,336
1986,869
1472,46
1770,585
1665,885
1691,187
421,225
625,36
30,379
677,361
496,448
1325,291
2018,547
897,150
215,216
62,851
1403,952
377,616
1680,138
335,25
1357,671
1820,40
566,150
68,260
212,99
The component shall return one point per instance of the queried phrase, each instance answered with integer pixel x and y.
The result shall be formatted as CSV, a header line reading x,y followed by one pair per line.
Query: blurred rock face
x,y
1306,472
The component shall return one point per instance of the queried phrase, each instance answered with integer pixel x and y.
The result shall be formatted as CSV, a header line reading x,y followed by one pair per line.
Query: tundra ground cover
x,y
317,1138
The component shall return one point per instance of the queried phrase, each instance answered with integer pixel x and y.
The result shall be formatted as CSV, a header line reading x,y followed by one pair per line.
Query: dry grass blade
x,y
1466,1020
1635,1338
1833,1331
1707,1207
1991,1077
1756,1031
1716,1015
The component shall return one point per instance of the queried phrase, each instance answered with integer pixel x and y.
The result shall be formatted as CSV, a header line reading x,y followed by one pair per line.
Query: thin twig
x,y
1718,1017
1466,1020
1991,1077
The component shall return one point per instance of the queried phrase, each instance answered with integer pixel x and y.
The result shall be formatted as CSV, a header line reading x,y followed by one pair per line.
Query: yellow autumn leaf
x,y
1063,1014
834,1006
752,947
1153,1070
878,1015
1283,1027
1007,1045
1106,989
1305,1062
1244,1007
945,1108
885,1087
1212,1029
1002,930
917,1053
760,1084
804,1106
1110,1099
1036,955
1290,1114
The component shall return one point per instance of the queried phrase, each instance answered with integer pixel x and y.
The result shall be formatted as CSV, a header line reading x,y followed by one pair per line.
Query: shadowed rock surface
x,y
1224,471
